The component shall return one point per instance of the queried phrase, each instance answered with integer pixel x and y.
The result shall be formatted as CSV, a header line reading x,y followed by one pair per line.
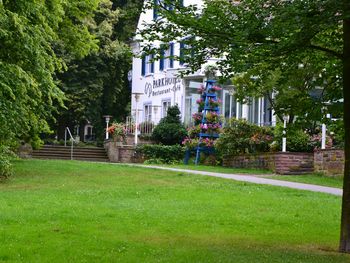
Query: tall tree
x,y
29,32
268,41
97,85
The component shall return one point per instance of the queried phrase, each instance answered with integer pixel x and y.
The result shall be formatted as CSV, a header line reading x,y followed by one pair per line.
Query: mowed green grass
x,y
217,169
317,179
68,211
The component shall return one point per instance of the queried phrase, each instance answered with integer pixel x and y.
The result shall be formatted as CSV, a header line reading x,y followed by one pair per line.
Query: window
x,y
168,6
165,106
148,112
147,65
167,57
185,50
253,110
267,110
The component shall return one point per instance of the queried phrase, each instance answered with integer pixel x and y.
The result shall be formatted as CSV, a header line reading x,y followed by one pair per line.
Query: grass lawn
x,y
217,169
318,179
69,211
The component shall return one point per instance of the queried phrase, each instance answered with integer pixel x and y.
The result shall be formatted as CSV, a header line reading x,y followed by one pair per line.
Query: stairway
x,y
96,154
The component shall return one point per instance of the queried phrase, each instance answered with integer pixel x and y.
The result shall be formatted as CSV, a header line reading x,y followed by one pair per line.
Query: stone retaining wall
x,y
119,153
329,161
281,163
294,163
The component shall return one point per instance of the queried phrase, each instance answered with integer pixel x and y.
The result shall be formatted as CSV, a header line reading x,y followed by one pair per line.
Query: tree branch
x,y
327,50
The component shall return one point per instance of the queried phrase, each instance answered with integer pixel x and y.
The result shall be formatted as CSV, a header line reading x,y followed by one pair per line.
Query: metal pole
x,y
65,137
71,149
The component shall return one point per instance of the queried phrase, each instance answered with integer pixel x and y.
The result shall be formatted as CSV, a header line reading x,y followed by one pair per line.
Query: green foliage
x,y
5,166
337,132
170,130
291,48
97,85
156,153
36,37
297,139
241,136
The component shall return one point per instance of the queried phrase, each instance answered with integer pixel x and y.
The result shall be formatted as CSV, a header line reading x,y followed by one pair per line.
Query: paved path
x,y
254,179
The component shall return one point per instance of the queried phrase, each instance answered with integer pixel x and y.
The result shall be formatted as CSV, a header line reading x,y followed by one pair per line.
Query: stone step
x,y
64,153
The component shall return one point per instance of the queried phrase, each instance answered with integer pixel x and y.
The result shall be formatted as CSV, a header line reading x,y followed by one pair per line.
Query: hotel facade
x,y
156,85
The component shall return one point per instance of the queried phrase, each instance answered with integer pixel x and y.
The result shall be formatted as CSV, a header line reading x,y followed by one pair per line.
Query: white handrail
x,y
72,140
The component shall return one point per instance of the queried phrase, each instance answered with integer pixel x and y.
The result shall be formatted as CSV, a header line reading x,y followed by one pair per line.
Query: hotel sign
x,y
162,86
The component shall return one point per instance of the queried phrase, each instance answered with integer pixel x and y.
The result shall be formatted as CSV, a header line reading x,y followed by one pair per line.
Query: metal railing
x,y
71,139
144,127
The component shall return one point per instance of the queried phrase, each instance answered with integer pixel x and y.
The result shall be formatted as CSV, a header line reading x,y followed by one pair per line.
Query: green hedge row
x,y
162,153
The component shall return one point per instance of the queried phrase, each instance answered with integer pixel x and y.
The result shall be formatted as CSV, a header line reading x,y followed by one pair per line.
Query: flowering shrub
x,y
197,117
206,142
214,103
194,131
117,130
201,89
214,89
200,102
241,136
191,143
211,128
262,138
212,117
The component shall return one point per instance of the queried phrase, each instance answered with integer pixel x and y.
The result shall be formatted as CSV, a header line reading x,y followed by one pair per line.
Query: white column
x,y
136,122
284,139
107,124
245,111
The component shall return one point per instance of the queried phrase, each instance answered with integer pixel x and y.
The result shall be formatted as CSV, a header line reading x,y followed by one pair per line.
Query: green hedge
x,y
157,153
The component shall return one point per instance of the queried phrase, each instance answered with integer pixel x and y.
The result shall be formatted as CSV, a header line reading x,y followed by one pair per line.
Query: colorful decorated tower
x,y
207,119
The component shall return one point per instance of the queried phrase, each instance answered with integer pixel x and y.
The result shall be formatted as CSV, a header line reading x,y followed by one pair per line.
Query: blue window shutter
x,y
171,64
170,6
155,10
161,60
143,67
182,53
181,2
152,64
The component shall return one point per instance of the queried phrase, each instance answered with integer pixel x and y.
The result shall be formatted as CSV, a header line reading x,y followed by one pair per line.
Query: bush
x,y
170,131
5,165
337,132
241,136
161,153
297,139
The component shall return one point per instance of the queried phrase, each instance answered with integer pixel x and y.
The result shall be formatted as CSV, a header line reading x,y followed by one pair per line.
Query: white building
x,y
159,87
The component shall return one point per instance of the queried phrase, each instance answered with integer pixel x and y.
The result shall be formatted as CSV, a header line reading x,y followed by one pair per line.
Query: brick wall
x,y
281,163
260,161
329,161
294,163
130,140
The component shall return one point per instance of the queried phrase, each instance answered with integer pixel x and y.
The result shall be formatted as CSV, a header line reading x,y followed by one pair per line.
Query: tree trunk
x,y
345,217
